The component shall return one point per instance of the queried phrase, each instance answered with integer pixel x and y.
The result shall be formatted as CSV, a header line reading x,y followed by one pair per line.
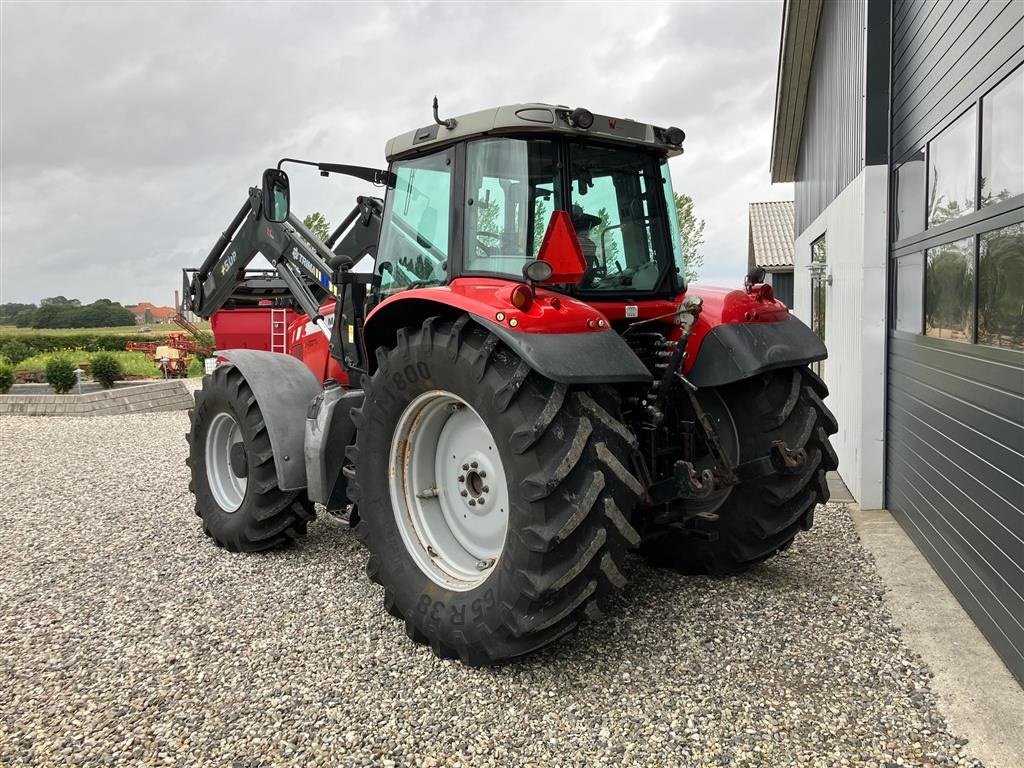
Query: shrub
x,y
60,374
40,343
16,350
106,369
196,368
6,376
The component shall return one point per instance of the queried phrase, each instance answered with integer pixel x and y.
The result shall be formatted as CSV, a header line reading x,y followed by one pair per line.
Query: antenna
x,y
449,123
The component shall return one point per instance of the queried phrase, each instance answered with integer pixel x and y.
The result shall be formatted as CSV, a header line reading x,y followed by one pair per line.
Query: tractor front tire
x,y
761,517
233,476
493,501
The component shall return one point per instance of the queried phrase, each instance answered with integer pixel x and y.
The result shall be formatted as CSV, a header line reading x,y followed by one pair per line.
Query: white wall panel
x,y
854,226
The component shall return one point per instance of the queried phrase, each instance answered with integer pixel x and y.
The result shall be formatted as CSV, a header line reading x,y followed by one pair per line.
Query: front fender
x,y
283,387
558,336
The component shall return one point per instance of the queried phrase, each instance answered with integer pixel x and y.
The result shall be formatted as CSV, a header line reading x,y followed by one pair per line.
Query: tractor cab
x,y
474,196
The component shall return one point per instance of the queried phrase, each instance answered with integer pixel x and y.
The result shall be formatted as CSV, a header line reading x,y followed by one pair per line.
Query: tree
x,y
691,236
318,225
72,314
610,249
60,300
10,310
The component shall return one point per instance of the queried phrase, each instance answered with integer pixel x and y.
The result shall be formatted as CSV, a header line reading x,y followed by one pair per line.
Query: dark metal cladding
x,y
832,146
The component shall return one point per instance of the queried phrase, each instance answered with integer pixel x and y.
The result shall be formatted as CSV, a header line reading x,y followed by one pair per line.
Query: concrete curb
x,y
142,398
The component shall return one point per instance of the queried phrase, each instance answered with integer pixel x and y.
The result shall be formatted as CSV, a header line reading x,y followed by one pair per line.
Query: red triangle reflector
x,y
561,249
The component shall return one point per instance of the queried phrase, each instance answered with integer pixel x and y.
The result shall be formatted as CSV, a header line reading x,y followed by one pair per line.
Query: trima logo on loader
x,y
516,386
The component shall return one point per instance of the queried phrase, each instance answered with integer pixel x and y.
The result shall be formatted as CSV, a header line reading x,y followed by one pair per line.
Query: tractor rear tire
x,y
233,475
761,517
446,403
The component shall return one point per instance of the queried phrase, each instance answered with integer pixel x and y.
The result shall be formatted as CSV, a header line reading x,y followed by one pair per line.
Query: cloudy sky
x,y
131,132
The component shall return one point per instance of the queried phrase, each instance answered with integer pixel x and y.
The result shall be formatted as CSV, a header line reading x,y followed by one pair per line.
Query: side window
x,y
819,295
413,249
952,171
511,192
949,291
1002,150
908,218
1001,287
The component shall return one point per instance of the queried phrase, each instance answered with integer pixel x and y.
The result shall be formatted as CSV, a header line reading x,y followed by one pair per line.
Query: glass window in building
x,y
909,197
949,291
1001,287
951,170
909,293
1002,141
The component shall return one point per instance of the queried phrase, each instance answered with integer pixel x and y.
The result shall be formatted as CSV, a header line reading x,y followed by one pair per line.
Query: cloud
x,y
129,133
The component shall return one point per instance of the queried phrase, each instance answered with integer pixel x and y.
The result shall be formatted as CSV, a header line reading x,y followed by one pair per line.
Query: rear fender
x,y
559,337
283,388
743,334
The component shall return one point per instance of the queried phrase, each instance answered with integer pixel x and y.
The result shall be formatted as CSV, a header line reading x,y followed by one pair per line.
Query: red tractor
x,y
503,383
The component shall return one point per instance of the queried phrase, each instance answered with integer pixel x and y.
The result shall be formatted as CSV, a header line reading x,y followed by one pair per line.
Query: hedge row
x,y
14,346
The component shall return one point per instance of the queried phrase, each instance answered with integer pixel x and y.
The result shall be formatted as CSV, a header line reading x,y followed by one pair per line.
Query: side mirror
x,y
276,195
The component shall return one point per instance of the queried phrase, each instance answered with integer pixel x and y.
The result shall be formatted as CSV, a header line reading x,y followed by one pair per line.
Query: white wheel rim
x,y
448,490
228,489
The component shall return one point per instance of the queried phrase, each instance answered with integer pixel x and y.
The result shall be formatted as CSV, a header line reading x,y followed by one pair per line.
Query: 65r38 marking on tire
x,y
451,417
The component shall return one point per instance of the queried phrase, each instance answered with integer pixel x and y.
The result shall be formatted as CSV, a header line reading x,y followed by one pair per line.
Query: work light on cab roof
x,y
498,376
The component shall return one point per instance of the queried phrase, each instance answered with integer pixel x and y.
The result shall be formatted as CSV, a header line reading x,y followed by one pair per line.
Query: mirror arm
x,y
372,175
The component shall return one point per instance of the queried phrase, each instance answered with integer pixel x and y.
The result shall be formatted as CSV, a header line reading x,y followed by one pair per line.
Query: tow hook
x,y
781,460
786,461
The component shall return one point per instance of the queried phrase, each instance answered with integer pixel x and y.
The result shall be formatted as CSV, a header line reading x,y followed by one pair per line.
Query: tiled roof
x,y
771,234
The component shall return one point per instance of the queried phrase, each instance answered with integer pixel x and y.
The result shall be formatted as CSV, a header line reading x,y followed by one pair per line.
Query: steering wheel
x,y
487,251
594,275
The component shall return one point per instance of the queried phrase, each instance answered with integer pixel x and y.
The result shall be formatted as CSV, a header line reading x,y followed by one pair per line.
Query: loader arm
x,y
298,257
308,271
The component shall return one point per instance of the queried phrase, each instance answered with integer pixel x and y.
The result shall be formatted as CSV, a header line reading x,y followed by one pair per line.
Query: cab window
x,y
511,192
413,250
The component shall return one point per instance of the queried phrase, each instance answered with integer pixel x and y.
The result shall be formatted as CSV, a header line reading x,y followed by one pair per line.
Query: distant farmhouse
x,y
147,314
770,245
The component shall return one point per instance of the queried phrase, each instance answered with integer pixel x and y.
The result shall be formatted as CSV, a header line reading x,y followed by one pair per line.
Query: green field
x,y
124,330
28,349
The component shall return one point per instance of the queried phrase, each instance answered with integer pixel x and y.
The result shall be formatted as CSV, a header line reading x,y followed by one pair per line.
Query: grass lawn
x,y
133,363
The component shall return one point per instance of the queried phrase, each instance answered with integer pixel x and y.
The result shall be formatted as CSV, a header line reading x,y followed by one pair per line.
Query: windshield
x,y
615,211
512,190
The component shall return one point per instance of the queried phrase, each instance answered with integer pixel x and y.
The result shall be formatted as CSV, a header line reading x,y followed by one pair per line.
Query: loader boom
x,y
307,269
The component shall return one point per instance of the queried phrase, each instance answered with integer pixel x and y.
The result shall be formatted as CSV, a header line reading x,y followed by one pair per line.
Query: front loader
x,y
503,383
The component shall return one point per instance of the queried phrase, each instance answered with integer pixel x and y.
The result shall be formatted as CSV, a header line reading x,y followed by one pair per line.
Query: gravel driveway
x,y
126,637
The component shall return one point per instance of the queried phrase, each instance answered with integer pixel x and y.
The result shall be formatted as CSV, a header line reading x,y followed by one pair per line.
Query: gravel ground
x,y
126,637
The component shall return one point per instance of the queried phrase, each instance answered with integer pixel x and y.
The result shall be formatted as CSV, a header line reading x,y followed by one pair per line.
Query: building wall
x,y
942,54
854,227
955,439
832,145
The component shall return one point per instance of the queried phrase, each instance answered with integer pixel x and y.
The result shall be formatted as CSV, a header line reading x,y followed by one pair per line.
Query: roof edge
x,y
800,19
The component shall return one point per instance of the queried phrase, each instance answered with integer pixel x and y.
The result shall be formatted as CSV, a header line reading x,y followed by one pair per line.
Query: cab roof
x,y
529,118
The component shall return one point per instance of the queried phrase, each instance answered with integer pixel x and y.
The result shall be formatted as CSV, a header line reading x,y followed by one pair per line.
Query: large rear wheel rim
x,y
226,485
448,490
728,435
